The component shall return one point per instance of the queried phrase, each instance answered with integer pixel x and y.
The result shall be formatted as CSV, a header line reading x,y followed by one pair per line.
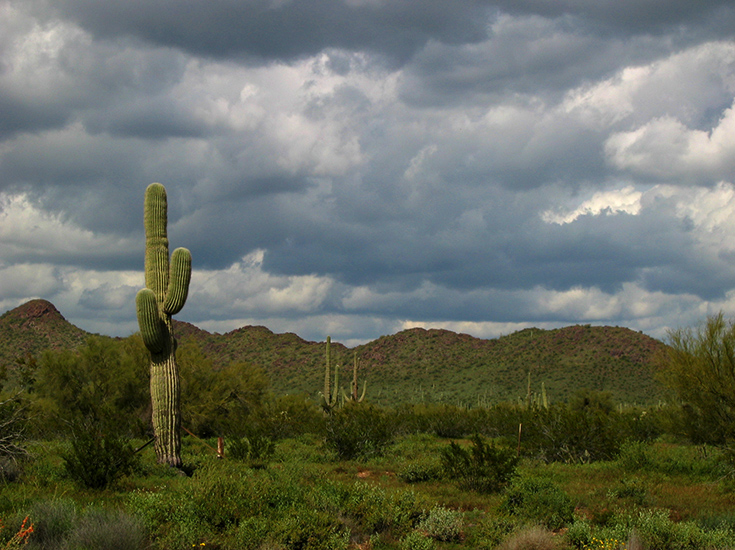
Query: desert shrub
x,y
579,534
420,470
372,509
293,416
644,425
358,430
491,531
12,434
105,382
10,470
539,501
438,419
442,524
653,528
584,430
256,448
635,456
631,489
309,529
530,538
97,460
103,530
415,540
483,467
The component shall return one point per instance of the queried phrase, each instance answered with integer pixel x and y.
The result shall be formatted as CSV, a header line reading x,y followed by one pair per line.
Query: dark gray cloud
x,y
363,165
283,30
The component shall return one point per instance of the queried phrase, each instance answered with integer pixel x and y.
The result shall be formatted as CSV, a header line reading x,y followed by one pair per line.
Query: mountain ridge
x,y
413,365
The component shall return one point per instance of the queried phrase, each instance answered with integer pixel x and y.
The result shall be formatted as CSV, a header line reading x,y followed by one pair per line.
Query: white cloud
x,y
21,280
627,200
666,149
27,232
245,288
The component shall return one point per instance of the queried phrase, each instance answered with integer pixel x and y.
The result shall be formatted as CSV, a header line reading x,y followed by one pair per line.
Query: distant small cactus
x,y
353,394
330,395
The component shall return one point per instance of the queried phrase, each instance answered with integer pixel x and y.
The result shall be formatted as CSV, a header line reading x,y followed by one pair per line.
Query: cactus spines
x,y
167,286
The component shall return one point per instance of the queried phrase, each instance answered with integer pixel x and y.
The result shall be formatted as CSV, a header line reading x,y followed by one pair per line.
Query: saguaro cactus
x,y
167,285
330,395
353,394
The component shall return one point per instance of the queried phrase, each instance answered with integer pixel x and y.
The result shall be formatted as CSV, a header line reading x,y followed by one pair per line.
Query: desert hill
x,y
410,366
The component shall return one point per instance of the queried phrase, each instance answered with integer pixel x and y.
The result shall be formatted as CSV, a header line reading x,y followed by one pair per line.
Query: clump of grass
x,y
530,538
103,530
53,521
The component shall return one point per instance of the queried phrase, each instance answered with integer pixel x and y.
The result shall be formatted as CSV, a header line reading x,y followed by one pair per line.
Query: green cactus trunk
x,y
165,401
167,286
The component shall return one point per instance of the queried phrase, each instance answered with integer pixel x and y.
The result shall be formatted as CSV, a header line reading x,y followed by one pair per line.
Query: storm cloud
x,y
354,167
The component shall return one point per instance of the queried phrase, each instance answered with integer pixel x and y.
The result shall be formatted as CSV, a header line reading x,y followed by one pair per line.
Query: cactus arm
x,y
151,328
178,287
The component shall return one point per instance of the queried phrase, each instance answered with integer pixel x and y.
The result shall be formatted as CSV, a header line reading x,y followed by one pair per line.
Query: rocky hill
x,y
33,327
410,366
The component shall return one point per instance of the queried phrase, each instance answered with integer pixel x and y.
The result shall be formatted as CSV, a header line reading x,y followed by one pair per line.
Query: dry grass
x,y
531,538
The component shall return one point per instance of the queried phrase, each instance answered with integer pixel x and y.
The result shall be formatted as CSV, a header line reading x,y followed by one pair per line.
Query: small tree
x,y
699,366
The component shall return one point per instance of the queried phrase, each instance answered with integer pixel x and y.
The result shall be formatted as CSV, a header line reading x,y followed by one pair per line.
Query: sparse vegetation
x,y
586,473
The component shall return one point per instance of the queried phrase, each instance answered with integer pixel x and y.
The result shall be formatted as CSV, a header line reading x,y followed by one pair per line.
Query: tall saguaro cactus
x,y
329,398
167,285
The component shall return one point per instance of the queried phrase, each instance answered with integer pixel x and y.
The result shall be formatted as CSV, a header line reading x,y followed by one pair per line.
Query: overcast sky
x,y
357,167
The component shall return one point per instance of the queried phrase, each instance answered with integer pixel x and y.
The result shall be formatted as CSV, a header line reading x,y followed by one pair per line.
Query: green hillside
x,y
442,366
411,366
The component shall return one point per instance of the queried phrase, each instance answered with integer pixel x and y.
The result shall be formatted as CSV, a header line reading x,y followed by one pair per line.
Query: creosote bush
x,y
540,501
256,448
358,430
483,467
97,460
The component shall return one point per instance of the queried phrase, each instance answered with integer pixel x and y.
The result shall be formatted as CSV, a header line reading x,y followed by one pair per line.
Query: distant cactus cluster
x,y
332,397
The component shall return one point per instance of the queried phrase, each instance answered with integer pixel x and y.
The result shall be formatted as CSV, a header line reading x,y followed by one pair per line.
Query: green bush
x,y
415,540
654,529
635,456
631,489
308,529
483,468
420,470
586,429
442,524
96,460
358,430
540,501
491,531
256,448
